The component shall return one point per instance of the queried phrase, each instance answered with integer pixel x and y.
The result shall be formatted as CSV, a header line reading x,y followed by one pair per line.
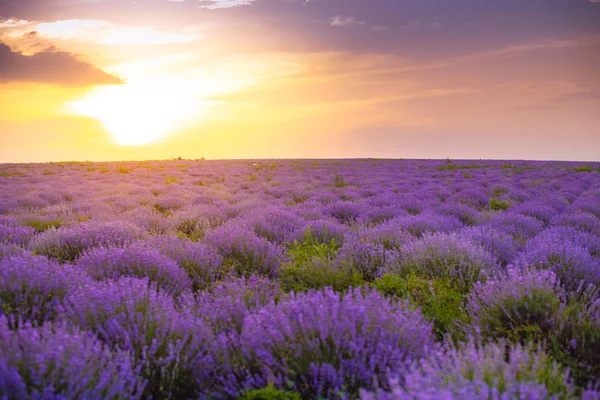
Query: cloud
x,y
340,21
436,26
411,26
50,66
93,31
216,4
107,33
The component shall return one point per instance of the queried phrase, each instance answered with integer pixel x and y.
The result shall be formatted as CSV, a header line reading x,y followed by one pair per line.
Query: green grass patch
x,y
41,226
499,205
438,299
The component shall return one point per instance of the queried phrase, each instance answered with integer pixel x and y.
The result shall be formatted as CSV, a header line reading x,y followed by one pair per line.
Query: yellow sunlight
x,y
140,112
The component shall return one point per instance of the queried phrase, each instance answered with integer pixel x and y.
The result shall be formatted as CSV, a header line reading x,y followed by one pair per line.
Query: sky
x,y
155,79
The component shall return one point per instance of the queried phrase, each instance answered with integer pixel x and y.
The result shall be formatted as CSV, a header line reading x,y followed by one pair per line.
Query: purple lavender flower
x,y
519,306
447,256
345,211
520,227
202,263
474,371
11,250
466,214
389,235
68,243
537,209
324,231
501,245
275,224
19,235
31,287
368,259
471,197
325,343
226,304
418,225
135,261
570,262
59,362
171,347
247,253
582,221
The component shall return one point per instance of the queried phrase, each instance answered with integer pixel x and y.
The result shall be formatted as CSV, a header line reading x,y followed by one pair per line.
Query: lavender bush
x,y
299,279
56,361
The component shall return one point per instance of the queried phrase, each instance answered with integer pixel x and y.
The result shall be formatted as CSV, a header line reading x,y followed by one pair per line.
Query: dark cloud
x,y
51,66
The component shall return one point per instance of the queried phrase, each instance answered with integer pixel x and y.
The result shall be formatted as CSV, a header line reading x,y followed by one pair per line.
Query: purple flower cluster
x,y
171,347
492,371
218,280
135,261
521,305
31,287
55,361
246,252
67,244
326,343
201,262
571,262
447,256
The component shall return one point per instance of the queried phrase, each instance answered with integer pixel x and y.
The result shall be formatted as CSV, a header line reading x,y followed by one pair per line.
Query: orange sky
x,y
112,79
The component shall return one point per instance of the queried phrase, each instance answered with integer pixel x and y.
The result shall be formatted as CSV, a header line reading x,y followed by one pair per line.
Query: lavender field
x,y
304,279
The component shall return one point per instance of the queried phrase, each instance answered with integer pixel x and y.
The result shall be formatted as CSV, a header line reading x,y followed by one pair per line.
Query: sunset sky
x,y
148,79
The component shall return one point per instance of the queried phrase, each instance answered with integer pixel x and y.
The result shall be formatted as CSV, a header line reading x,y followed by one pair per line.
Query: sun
x,y
138,113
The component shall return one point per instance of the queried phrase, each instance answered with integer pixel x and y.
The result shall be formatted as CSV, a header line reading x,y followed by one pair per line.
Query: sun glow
x,y
140,113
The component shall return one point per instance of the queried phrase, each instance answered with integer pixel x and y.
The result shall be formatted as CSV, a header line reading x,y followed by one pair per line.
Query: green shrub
x,y
575,341
583,169
41,226
449,167
318,274
499,205
339,181
311,247
438,299
269,393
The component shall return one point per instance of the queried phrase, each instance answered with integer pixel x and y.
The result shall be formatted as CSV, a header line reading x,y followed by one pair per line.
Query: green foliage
x,y
41,226
171,179
586,168
162,210
499,191
269,393
191,229
521,320
253,178
311,266
13,173
318,274
438,299
310,248
454,167
499,205
467,176
576,340
122,169
338,181
299,198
